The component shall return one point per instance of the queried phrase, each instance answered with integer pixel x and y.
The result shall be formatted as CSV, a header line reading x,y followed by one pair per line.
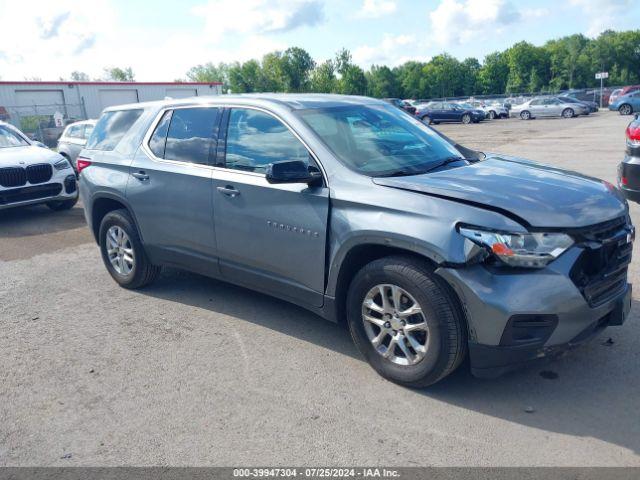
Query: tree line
x,y
564,63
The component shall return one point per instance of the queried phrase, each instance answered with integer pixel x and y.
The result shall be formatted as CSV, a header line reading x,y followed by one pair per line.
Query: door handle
x,y
229,191
142,176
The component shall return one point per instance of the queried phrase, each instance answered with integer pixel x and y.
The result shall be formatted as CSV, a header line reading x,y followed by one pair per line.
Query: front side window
x,y
377,140
255,139
190,137
88,129
9,138
75,131
111,127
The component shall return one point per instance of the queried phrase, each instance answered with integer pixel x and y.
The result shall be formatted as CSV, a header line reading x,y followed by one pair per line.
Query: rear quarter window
x,y
111,127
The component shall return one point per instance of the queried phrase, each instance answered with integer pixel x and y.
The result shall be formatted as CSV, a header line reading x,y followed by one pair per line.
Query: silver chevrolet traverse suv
x,y
359,212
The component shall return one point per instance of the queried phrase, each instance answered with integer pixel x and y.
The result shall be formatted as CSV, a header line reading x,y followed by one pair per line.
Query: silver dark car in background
x,y
74,138
353,209
548,107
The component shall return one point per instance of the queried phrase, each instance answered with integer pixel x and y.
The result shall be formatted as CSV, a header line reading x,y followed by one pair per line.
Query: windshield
x,y
377,140
9,138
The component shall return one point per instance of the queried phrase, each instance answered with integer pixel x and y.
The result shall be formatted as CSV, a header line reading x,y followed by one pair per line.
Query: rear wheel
x,y
405,321
568,113
62,205
625,109
123,253
466,118
525,115
492,115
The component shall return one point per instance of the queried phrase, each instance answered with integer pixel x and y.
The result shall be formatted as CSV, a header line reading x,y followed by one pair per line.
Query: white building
x,y
26,104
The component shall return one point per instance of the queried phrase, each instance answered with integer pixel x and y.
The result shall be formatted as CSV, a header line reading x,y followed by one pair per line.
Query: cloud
x,y
377,8
258,16
602,14
393,50
50,26
459,21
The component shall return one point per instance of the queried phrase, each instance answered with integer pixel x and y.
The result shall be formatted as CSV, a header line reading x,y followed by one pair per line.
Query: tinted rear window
x,y
190,136
111,127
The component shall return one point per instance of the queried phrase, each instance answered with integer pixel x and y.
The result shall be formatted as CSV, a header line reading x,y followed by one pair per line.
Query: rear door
x,y
270,237
169,187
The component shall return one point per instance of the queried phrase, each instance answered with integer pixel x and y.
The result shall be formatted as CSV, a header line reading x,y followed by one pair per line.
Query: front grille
x,y
24,194
12,177
600,271
40,173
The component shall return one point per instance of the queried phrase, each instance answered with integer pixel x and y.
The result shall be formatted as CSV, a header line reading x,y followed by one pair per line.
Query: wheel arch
x,y
104,203
352,257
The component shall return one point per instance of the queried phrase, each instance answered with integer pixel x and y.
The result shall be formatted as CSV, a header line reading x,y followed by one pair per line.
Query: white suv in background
x,y
74,138
31,173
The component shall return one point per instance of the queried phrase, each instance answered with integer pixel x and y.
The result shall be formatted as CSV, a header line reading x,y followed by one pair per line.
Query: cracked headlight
x,y
527,250
62,164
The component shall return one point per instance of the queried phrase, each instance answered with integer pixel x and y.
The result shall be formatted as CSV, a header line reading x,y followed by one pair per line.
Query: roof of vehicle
x,y
294,101
91,121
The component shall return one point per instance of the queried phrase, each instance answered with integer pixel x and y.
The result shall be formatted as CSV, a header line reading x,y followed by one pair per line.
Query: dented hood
x,y
535,194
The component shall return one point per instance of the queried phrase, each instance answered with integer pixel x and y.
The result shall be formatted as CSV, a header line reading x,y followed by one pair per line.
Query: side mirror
x,y
292,171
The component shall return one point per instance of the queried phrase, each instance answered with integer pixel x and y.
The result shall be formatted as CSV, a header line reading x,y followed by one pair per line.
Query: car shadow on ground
x,y
591,391
38,220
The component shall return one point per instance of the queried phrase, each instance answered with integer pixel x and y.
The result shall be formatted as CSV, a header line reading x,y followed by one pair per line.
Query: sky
x,y
160,40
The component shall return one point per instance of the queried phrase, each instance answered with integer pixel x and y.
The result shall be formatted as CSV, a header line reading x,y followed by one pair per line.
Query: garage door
x,y
109,98
25,98
181,92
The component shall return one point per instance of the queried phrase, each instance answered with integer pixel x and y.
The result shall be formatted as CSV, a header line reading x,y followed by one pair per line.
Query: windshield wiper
x,y
447,161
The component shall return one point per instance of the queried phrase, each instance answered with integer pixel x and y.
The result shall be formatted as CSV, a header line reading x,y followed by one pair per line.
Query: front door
x,y
269,237
169,189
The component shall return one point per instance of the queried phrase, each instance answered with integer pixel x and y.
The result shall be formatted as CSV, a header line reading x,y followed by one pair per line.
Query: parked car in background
x,y
627,104
622,92
436,112
614,95
492,110
31,174
591,106
73,140
429,251
629,169
548,107
401,104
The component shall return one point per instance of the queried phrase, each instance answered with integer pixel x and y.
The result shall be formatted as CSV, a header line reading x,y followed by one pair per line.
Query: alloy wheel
x,y
466,118
625,109
395,324
120,250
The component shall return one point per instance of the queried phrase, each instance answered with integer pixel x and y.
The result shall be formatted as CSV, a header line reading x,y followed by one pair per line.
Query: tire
x,y
466,119
427,119
445,341
568,113
142,272
525,115
62,205
492,115
625,109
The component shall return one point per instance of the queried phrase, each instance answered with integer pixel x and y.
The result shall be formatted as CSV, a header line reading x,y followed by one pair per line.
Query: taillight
x,y
633,133
82,163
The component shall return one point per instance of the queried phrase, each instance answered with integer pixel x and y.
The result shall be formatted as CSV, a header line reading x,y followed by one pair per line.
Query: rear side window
x,y
111,127
88,129
190,135
159,137
75,131
256,139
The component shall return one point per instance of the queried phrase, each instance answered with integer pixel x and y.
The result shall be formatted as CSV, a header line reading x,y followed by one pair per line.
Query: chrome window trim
x,y
161,112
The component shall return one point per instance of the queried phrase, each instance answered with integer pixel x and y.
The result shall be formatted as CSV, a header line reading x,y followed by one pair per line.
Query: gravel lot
x,y
192,371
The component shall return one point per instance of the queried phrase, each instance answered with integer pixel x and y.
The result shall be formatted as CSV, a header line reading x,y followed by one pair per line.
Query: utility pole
x,y
601,76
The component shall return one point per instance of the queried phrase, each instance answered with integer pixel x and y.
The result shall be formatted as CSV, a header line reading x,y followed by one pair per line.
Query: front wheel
x,y
123,253
466,119
625,109
427,119
492,115
568,113
61,205
406,321
525,115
